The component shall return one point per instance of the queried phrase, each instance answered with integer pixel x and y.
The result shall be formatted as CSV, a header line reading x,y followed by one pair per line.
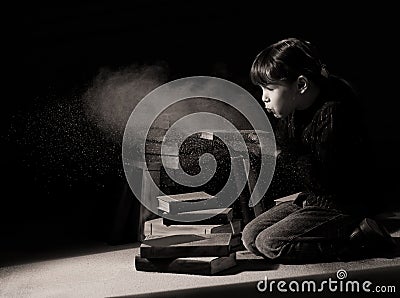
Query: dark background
x,y
62,174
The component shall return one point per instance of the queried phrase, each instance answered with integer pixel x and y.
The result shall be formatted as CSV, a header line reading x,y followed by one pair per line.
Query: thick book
x,y
181,246
156,227
289,198
186,202
201,217
234,227
237,243
194,265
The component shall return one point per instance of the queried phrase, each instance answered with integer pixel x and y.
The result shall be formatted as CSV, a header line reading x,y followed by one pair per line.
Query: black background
x,y
51,190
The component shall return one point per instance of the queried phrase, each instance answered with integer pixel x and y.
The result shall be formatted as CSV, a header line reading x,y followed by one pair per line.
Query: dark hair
x,y
285,60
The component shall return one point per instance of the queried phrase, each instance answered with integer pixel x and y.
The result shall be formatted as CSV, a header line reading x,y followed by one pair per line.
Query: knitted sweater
x,y
322,151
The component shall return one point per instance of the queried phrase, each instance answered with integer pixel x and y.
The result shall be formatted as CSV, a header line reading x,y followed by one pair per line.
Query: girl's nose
x,y
265,99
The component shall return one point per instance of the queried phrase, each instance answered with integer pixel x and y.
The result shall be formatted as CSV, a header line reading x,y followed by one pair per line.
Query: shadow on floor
x,y
358,283
248,265
51,251
53,237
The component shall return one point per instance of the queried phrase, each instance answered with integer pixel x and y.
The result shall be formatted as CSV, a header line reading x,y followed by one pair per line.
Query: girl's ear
x,y
302,84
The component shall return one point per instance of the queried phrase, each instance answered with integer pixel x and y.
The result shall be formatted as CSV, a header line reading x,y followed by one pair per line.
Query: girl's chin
x,y
276,115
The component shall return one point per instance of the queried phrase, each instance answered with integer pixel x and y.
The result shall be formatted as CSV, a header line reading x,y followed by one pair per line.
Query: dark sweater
x,y
322,151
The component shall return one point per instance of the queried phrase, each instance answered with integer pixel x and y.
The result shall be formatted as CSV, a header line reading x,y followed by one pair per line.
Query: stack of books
x,y
205,247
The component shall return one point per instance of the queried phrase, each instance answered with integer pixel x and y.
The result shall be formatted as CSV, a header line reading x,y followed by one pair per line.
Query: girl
x,y
321,153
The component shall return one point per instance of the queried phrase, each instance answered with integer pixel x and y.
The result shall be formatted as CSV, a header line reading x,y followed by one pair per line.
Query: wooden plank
x,y
246,213
195,265
124,226
154,165
249,137
251,182
156,134
180,246
171,162
148,194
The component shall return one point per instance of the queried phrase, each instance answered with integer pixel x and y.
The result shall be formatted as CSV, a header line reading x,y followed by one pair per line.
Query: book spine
x,y
160,252
221,218
184,265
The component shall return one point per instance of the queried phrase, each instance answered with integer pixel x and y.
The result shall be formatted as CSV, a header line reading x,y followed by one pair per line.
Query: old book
x,y
180,246
289,198
194,265
156,227
202,217
234,227
236,243
186,202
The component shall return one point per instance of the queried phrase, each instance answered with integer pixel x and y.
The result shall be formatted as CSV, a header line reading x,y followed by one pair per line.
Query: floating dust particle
x,y
76,139
61,146
113,95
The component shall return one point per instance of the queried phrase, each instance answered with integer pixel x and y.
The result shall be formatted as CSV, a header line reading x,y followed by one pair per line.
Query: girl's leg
x,y
264,221
307,235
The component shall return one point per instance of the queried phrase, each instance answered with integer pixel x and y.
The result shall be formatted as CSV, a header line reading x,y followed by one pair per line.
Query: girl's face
x,y
280,98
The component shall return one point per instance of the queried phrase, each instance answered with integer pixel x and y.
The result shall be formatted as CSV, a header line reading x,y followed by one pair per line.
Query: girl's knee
x,y
248,237
270,247
250,232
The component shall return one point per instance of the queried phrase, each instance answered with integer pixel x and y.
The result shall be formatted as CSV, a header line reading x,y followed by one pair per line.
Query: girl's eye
x,y
269,88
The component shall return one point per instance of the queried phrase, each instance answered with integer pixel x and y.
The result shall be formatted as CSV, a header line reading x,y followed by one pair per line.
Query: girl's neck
x,y
309,97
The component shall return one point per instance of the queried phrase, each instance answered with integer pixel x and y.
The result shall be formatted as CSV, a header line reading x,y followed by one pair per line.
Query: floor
x,y
100,270
112,273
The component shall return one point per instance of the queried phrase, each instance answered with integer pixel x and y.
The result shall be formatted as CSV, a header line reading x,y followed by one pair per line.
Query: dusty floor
x,y
103,271
96,269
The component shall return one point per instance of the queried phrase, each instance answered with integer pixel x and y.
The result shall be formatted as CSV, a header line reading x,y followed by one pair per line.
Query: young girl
x,y
319,135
